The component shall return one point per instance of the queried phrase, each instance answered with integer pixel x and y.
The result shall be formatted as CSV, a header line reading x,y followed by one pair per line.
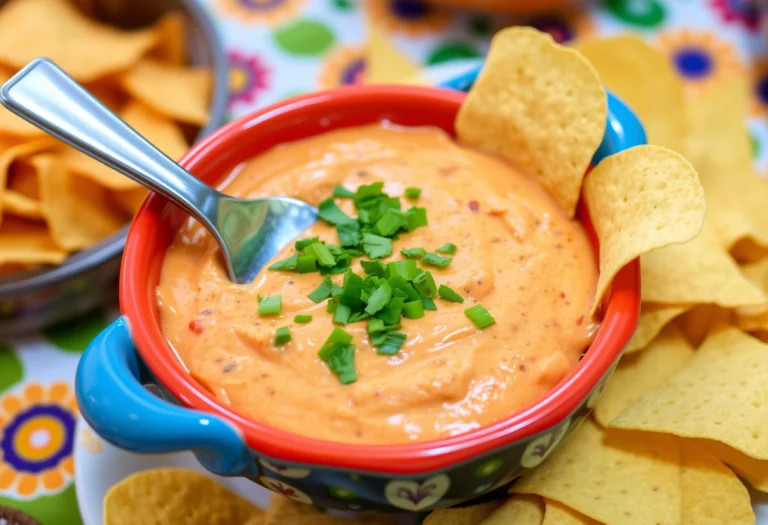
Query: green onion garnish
x,y
306,264
406,269
303,243
413,309
330,307
332,214
376,326
337,336
301,318
349,233
436,260
341,361
449,294
340,192
412,193
415,218
480,316
351,290
413,253
392,343
448,248
282,336
342,314
288,264
322,292
392,312
425,284
379,299
429,304
376,268
321,252
270,305
376,247
390,222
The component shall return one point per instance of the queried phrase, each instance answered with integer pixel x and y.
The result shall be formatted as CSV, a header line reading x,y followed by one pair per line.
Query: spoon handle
x,y
47,97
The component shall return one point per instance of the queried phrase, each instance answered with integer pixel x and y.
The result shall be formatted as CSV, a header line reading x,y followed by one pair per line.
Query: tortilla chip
x,y
109,92
711,493
20,205
643,372
386,64
177,496
284,511
755,471
76,209
85,49
641,199
180,93
653,319
158,130
539,105
699,271
10,155
129,201
557,514
472,515
720,395
644,78
699,321
171,41
520,509
612,476
27,242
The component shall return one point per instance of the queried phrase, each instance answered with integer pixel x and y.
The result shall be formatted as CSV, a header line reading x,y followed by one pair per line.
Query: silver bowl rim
x,y
80,262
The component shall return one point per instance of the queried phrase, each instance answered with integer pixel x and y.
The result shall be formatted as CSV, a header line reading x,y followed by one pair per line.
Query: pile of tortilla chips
x,y
53,199
681,431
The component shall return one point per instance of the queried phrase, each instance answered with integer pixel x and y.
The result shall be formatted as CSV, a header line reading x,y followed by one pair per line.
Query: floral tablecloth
x,y
280,48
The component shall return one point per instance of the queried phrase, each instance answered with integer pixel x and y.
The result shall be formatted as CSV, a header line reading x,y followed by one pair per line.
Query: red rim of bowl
x,y
305,116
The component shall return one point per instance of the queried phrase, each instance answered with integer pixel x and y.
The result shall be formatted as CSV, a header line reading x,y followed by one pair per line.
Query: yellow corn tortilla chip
x,y
160,131
10,155
82,47
10,124
472,515
698,271
27,242
613,477
753,319
754,471
18,204
653,319
642,372
171,42
174,496
641,199
539,105
557,514
76,209
711,493
385,64
109,92
720,395
644,78
22,178
699,321
520,509
129,201
180,93
284,511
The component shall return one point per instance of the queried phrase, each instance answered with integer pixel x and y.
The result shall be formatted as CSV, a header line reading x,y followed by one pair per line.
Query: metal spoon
x,y
249,232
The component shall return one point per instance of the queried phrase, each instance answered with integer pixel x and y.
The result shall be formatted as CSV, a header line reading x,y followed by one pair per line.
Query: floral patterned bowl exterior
x,y
135,393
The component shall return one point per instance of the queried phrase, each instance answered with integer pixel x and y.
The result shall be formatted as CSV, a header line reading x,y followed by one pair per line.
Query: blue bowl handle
x,y
117,406
623,129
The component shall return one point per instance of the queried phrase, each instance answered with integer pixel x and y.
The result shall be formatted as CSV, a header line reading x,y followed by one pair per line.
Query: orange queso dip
x,y
516,253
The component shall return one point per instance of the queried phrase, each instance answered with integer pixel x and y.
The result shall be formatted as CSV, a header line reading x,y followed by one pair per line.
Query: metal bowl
x,y
38,298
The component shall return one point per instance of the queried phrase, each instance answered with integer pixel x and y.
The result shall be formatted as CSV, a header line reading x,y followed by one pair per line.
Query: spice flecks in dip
x,y
516,253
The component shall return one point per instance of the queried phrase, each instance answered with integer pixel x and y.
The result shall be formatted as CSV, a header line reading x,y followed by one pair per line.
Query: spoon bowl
x,y
249,232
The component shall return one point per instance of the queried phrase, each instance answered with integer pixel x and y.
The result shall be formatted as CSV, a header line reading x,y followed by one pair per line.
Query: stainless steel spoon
x,y
249,232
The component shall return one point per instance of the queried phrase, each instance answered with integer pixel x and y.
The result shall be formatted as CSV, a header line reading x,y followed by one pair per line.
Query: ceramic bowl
x,y
177,413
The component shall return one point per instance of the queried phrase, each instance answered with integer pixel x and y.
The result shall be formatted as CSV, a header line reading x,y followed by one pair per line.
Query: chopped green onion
x,y
480,316
359,316
392,343
282,336
390,222
321,253
342,314
271,305
342,263
402,288
303,243
429,304
448,248
341,361
322,292
378,339
286,264
406,269
379,299
351,290
340,192
415,218
390,314
349,233
332,214
413,253
335,250
425,284
412,193
376,247
367,195
376,326
413,310
301,318
449,294
354,252
336,291
306,264
337,336
436,260
331,306
376,268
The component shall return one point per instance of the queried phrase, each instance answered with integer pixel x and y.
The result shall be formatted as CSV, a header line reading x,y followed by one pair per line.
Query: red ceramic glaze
x,y
155,224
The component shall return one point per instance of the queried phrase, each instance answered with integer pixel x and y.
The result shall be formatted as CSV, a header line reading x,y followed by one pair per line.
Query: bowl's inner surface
x,y
155,226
